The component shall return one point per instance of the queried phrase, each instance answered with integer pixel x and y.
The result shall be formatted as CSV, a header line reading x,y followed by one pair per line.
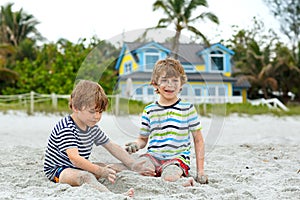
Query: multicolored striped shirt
x,y
169,129
65,135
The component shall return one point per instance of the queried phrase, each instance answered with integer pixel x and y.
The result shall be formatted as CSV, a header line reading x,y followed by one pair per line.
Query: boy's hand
x,y
108,173
142,169
131,147
202,179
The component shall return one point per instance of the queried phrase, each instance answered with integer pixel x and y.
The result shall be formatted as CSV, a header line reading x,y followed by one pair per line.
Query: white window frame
x,y
216,91
127,67
149,67
213,55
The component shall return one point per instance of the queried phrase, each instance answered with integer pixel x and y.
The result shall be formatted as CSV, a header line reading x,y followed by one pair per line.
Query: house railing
x,y
271,103
195,99
28,100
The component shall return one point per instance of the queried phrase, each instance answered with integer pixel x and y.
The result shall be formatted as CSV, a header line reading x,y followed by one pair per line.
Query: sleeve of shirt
x,y
101,138
145,124
194,121
66,140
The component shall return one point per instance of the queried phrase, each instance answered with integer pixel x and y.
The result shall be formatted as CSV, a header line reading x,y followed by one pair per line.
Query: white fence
x,y
30,99
271,103
195,99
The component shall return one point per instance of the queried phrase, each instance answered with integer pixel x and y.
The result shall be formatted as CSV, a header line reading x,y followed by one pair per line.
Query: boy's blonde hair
x,y
171,67
88,94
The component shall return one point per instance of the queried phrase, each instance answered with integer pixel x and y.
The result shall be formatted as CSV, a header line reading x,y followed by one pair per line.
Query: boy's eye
x,y
94,111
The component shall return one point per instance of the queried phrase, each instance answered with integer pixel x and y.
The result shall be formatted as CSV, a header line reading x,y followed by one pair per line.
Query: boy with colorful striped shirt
x,y
167,126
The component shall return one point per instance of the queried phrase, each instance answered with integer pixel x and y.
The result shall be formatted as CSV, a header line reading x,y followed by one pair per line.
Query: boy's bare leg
x,y
118,167
75,177
173,173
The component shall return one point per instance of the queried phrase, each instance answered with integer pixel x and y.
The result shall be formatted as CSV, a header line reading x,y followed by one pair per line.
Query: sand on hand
x,y
253,157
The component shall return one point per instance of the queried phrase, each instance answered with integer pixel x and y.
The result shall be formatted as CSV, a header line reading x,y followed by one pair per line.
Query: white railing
x,y
195,99
271,103
30,98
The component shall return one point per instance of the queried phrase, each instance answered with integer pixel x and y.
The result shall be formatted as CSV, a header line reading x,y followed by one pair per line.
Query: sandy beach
x,y
247,157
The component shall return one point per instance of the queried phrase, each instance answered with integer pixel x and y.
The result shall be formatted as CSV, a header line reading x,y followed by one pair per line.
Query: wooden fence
x,y
28,100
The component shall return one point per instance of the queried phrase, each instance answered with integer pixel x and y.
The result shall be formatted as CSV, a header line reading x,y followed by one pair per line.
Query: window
x,y
211,91
236,93
188,68
127,67
216,91
150,91
139,91
221,91
151,56
197,91
217,61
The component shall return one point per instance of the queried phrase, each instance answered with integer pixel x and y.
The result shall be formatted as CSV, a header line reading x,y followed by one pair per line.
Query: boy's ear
x,y
74,109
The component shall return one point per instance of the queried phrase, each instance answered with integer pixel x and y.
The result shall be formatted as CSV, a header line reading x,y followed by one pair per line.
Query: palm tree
x,y
17,26
179,13
7,76
253,64
286,72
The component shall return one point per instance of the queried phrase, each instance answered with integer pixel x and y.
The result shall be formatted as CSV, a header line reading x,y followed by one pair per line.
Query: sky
x,y
75,19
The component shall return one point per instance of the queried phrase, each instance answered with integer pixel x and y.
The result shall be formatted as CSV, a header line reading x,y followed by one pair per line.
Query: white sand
x,y
246,158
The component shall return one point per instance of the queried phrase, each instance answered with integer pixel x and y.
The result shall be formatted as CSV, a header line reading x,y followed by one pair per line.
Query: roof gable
x,y
214,47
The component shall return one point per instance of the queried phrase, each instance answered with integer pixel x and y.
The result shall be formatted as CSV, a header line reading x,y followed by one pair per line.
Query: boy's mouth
x,y
169,91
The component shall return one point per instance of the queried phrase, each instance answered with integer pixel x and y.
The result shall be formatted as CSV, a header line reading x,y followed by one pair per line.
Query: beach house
x,y
208,69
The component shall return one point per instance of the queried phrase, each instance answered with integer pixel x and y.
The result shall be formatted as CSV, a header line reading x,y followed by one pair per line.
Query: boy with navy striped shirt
x,y
72,138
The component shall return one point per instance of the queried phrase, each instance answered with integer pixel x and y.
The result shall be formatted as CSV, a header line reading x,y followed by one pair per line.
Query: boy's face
x,y
89,116
168,87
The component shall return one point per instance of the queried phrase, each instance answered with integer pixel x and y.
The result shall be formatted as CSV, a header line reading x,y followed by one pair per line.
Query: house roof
x,y
188,53
192,77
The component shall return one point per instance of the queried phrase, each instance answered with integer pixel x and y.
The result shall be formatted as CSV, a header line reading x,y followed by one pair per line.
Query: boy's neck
x,y
164,102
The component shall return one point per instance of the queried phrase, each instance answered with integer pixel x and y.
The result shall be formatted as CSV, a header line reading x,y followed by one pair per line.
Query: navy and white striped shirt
x,y
65,135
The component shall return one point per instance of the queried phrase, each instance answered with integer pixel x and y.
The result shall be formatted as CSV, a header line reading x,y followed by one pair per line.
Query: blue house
x,y
209,72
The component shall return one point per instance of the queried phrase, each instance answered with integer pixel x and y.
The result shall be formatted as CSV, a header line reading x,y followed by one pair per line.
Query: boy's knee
x,y
171,173
85,177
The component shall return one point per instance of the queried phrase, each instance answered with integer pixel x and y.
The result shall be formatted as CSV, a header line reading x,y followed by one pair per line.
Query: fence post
x,y
54,100
31,102
117,104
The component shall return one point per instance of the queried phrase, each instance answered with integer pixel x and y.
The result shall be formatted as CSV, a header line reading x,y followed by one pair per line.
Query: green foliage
x,y
58,66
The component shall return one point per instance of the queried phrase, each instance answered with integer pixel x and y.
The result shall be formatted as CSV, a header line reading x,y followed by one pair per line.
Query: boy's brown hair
x,y
88,94
171,67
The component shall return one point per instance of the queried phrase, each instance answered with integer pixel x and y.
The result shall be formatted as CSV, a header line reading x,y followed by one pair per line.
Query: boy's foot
x,y
189,182
129,193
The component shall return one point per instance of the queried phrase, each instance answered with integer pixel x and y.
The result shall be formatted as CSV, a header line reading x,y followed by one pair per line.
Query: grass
x,y
133,107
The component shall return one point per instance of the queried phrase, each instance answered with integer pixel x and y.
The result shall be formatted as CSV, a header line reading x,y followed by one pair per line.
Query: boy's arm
x,y
122,155
199,152
139,143
82,163
119,153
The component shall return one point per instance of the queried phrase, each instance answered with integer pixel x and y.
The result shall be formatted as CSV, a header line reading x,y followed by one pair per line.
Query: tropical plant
x,y
252,59
286,72
288,14
180,14
17,26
